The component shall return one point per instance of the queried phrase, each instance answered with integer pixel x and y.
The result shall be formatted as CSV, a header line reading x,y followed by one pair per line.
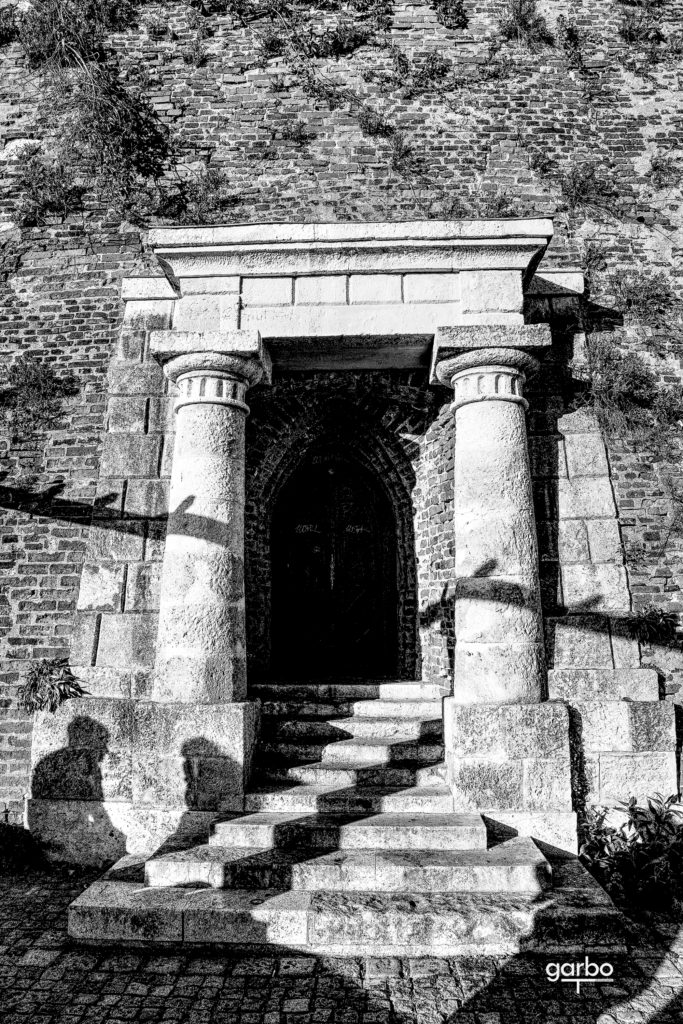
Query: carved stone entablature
x,y
346,296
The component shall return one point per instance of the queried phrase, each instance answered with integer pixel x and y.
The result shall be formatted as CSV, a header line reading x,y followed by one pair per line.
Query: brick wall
x,y
60,295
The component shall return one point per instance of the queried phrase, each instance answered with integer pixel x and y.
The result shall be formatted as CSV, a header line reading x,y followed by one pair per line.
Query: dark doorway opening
x,y
334,598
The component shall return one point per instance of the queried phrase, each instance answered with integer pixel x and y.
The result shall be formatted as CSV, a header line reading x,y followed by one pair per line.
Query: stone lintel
x,y
455,340
274,249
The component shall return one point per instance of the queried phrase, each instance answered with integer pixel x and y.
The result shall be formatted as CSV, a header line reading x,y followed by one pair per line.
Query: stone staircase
x,y
350,844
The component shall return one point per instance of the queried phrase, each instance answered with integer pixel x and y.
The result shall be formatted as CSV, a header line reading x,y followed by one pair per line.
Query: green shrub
x,y
31,395
654,625
524,24
205,199
640,863
664,171
451,13
297,133
640,28
47,685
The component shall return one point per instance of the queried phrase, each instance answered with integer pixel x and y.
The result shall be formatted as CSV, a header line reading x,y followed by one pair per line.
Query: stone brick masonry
x,y
107,463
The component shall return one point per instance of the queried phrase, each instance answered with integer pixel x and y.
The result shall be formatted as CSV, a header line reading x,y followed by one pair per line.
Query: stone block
x,y
115,541
99,832
478,784
147,498
580,641
595,588
625,648
84,636
552,829
82,773
491,289
128,378
639,775
322,290
198,783
602,725
267,291
142,587
585,498
491,610
161,415
506,731
221,285
126,455
116,683
579,421
603,684
431,287
149,313
372,288
206,730
101,587
604,541
127,415
198,313
86,723
572,542
128,640
498,673
653,726
586,455
127,912
156,540
547,783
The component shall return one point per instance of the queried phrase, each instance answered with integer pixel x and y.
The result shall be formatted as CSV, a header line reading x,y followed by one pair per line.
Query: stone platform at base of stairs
x,y
575,914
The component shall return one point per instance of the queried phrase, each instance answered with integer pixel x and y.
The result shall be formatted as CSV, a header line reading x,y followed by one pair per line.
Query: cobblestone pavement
x,y
44,978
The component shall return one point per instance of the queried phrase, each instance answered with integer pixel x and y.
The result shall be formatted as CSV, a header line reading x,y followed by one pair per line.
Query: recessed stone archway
x,y
304,424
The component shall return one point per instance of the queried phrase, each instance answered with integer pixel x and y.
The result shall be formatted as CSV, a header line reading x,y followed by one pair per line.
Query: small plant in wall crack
x,y
47,684
451,13
646,295
524,24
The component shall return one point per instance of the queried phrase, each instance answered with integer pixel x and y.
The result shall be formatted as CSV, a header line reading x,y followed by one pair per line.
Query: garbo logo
x,y
580,973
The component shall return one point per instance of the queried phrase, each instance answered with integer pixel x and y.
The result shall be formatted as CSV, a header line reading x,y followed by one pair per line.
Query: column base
x,y
512,763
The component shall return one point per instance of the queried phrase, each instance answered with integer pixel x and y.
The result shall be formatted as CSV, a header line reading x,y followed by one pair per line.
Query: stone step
x,y
434,799
403,709
382,831
331,730
514,866
348,923
354,753
385,776
336,692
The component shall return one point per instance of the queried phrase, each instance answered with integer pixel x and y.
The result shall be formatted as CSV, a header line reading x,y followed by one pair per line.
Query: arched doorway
x,y
334,558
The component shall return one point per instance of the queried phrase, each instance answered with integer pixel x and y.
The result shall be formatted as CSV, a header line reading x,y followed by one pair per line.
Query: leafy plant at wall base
x,y
48,683
31,395
640,862
654,625
451,13
524,24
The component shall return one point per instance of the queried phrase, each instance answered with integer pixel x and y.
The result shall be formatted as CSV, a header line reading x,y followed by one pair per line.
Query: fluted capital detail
x,y
212,368
487,375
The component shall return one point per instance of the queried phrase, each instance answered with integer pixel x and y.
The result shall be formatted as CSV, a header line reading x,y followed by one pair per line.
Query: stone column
x,y
499,653
201,643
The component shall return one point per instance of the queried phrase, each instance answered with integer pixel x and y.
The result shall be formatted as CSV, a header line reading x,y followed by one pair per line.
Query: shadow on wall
x,y
122,787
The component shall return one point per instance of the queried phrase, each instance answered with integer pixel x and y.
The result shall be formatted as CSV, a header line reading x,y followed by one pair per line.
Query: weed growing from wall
x,y
451,13
524,24
9,29
646,295
32,395
48,683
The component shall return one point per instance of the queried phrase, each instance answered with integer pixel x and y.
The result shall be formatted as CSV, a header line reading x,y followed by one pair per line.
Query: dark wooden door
x,y
334,609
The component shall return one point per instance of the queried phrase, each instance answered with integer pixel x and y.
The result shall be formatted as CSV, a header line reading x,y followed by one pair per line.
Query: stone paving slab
x,y
47,979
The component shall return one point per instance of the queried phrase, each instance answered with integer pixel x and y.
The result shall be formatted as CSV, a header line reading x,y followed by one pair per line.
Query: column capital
x,y
212,368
